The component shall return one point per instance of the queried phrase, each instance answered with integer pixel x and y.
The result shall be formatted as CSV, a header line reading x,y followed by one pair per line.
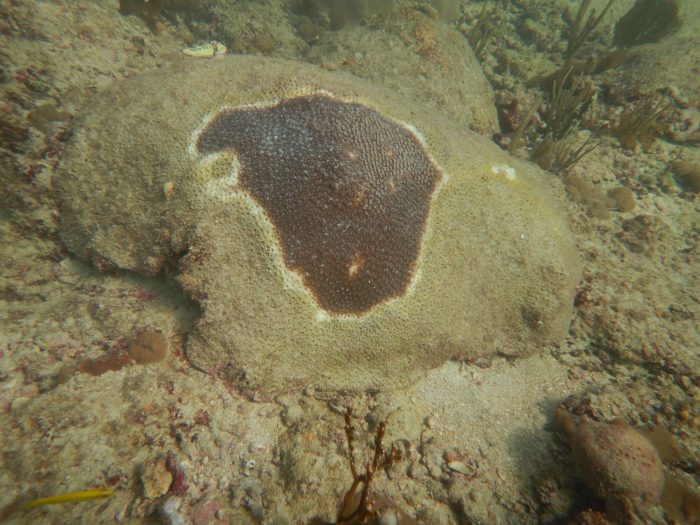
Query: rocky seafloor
x,y
95,387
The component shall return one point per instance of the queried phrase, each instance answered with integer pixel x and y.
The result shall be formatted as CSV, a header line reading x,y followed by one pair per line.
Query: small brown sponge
x,y
624,466
334,234
617,461
150,346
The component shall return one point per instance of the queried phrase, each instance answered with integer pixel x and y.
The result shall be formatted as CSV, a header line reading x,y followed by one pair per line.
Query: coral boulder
x,y
334,234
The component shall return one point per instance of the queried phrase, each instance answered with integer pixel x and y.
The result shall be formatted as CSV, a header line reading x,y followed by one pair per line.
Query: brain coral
x,y
334,234
371,175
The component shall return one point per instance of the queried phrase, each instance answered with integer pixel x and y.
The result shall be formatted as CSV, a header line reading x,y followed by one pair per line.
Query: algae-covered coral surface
x,y
321,261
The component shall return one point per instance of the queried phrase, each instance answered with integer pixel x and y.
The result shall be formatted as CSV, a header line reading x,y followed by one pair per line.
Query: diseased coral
x,y
301,217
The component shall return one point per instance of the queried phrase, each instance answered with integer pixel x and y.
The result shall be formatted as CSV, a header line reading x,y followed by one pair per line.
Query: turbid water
x,y
507,310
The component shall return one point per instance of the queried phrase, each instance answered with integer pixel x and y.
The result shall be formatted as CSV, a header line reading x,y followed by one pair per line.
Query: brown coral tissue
x,y
148,347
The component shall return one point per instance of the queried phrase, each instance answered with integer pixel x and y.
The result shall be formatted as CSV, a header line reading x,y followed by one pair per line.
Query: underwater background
x,y
102,409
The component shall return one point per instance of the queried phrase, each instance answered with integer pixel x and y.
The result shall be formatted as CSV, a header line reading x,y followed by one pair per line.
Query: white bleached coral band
x,y
504,169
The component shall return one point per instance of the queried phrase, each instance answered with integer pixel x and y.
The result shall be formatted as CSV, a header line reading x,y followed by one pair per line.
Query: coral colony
x,y
371,174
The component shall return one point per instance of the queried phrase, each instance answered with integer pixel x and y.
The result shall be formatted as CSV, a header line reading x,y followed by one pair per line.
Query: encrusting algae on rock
x,y
335,235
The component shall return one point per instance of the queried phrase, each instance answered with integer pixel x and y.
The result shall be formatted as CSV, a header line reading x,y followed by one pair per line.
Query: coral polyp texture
x,y
371,176
334,234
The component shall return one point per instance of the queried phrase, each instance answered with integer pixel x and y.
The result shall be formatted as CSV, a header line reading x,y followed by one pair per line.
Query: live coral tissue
x,y
350,262
334,234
